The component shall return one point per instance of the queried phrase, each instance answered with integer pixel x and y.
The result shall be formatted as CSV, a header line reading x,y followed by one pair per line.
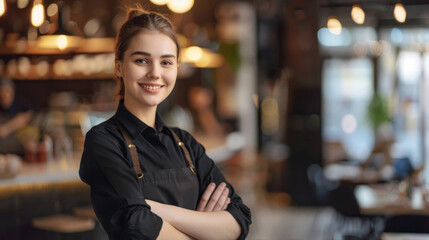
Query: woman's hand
x,y
214,201
207,221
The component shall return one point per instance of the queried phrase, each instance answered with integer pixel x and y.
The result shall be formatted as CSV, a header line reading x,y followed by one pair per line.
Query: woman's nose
x,y
154,72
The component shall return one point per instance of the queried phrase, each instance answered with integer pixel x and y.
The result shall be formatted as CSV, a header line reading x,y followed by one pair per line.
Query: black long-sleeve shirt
x,y
115,191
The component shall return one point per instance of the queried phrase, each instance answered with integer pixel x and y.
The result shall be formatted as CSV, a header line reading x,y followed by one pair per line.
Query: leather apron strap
x,y
185,152
133,151
135,158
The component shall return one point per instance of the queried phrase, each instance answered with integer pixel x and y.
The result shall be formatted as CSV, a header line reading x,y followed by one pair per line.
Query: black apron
x,y
178,186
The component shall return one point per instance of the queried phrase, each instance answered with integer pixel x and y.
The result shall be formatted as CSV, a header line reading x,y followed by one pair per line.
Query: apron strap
x,y
133,151
185,152
135,158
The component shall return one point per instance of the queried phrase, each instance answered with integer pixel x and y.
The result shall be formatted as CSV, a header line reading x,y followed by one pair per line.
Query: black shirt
x,y
115,192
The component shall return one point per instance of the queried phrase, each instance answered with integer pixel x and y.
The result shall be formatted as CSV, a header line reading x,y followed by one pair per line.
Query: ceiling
x,y
379,13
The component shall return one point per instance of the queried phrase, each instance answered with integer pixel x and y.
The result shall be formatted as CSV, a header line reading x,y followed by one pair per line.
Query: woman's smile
x,y
151,88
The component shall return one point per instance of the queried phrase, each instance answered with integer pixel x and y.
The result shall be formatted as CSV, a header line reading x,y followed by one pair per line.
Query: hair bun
x,y
135,12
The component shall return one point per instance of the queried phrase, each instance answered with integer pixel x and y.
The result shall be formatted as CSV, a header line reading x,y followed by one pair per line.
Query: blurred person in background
x,y
13,116
149,181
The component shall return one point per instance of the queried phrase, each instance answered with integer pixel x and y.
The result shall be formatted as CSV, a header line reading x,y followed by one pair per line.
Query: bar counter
x,y
54,172
38,190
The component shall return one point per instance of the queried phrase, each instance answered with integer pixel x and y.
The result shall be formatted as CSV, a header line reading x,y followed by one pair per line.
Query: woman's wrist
x,y
165,211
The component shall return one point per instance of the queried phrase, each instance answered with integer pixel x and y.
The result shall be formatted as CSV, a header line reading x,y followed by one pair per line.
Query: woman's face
x,y
149,69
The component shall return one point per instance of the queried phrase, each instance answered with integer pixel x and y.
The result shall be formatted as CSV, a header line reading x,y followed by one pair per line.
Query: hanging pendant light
x,y
160,2
61,39
21,4
37,13
202,57
2,7
180,6
334,25
400,13
357,13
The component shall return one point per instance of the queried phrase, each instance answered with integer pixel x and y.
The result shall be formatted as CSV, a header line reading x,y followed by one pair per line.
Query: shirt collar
x,y
132,124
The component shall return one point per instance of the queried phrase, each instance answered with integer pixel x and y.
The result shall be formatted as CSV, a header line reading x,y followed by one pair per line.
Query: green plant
x,y
378,112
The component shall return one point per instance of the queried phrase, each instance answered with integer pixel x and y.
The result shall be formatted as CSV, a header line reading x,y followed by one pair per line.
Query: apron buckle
x,y
140,175
193,170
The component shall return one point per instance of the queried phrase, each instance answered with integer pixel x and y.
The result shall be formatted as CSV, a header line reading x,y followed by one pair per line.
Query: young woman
x,y
149,181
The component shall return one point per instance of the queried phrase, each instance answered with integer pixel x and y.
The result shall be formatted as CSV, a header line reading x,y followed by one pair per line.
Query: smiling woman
x,y
149,70
149,181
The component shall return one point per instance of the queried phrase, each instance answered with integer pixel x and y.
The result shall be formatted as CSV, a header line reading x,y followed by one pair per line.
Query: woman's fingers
x,y
221,201
215,197
226,204
206,197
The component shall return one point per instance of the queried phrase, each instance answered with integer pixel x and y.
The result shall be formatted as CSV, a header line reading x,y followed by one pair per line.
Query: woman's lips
x,y
152,88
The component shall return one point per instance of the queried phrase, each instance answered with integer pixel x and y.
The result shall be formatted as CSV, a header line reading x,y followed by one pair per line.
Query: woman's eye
x,y
166,63
141,61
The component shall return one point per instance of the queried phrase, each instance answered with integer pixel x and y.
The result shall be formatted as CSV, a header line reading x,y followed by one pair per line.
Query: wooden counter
x,y
61,171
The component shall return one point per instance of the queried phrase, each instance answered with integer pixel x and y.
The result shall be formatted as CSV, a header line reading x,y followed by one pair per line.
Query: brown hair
x,y
138,20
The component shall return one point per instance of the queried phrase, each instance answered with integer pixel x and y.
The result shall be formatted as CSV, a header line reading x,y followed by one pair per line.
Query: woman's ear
x,y
118,69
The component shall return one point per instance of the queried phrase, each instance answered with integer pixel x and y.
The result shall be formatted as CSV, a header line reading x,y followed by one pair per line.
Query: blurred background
x,y
315,110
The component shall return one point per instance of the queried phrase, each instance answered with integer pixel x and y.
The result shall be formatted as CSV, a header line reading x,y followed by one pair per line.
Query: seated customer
x,y
13,116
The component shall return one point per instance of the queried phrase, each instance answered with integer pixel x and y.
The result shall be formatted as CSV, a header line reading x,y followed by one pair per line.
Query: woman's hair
x,y
139,20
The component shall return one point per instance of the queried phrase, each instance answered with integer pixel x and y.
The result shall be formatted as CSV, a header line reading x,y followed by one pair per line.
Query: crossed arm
x,y
209,221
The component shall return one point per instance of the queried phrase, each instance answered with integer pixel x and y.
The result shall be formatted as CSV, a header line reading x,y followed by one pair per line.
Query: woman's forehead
x,y
152,42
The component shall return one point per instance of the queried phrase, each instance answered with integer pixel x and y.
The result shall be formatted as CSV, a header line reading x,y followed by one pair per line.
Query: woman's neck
x,y
144,113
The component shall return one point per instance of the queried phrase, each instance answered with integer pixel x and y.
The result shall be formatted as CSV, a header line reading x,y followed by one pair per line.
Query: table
x,y
387,200
349,173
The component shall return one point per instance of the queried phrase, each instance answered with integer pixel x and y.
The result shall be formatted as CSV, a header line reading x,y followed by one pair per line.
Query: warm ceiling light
x,y
209,60
52,10
61,42
193,53
160,2
2,7
358,15
22,3
202,57
334,25
400,13
180,6
37,14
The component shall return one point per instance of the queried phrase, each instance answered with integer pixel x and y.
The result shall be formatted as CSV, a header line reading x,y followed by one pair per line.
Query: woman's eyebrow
x,y
149,55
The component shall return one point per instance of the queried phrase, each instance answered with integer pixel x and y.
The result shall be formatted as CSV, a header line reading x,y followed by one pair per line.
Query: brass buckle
x,y
193,170
131,146
140,175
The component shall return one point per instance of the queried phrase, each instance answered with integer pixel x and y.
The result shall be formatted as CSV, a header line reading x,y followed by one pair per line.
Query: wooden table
x,y
386,200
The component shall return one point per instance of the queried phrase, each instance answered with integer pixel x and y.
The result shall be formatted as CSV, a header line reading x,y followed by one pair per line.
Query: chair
x,y
88,212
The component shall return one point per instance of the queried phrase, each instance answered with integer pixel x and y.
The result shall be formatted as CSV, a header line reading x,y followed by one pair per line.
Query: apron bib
x,y
177,186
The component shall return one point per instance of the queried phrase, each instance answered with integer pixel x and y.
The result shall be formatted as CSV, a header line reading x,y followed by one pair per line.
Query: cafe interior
x,y
314,110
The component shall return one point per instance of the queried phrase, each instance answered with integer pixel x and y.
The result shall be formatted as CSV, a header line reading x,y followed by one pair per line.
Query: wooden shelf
x,y
87,46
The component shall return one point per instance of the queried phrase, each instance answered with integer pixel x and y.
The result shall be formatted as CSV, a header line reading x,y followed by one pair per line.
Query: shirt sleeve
x,y
115,191
208,172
